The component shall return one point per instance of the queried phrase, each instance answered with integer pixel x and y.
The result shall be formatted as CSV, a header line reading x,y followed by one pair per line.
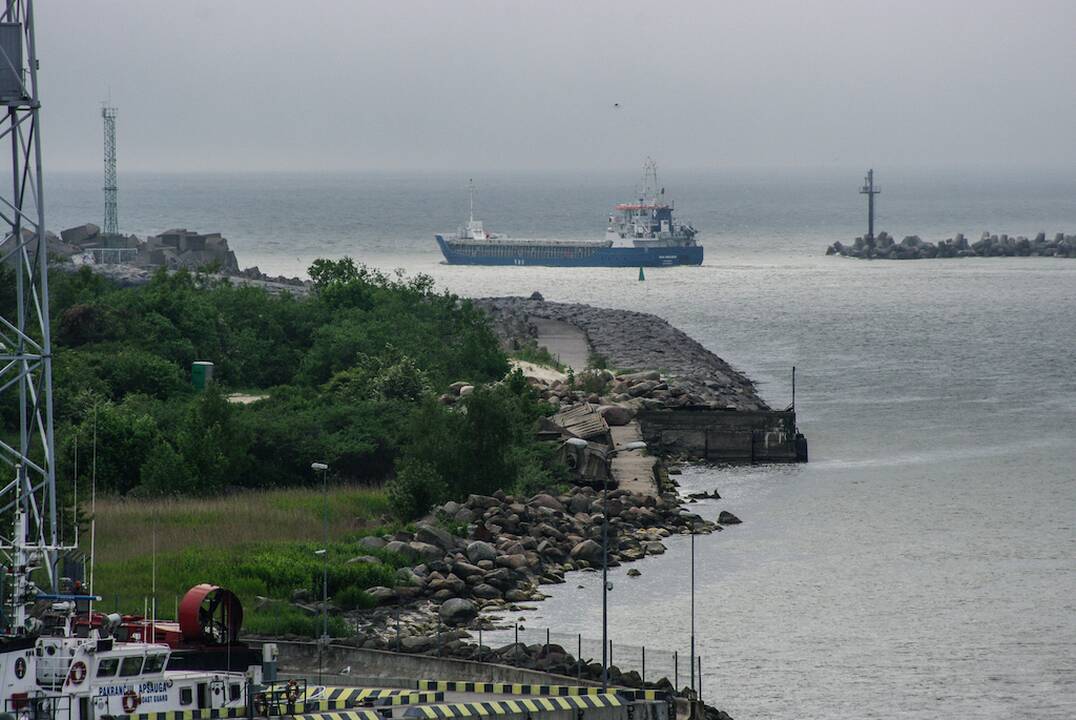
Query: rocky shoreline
x,y
912,247
512,547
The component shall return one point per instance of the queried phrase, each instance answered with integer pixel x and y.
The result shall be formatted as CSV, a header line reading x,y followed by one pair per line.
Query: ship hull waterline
x,y
601,257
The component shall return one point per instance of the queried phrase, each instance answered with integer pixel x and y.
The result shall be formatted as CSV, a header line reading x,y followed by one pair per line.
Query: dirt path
x,y
633,469
564,341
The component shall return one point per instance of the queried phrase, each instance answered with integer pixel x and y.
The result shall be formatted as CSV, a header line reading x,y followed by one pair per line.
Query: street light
x,y
324,552
606,585
692,656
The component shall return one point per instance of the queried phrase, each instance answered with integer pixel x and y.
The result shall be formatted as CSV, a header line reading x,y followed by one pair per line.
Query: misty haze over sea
x,y
921,565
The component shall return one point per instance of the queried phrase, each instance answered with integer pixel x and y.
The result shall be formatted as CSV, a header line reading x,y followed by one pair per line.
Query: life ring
x,y
292,691
78,673
130,701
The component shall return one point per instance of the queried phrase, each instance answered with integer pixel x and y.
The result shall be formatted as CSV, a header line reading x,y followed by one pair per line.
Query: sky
x,y
445,85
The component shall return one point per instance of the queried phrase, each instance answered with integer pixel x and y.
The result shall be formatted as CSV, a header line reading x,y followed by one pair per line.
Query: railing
x,y
652,665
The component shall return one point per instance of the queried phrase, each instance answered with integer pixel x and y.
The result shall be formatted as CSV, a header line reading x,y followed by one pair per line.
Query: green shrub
x,y
597,361
282,619
416,488
354,598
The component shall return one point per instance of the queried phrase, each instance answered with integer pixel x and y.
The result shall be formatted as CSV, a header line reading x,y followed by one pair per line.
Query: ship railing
x,y
38,706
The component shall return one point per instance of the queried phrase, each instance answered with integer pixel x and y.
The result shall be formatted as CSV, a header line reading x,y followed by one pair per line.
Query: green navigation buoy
x,y
642,276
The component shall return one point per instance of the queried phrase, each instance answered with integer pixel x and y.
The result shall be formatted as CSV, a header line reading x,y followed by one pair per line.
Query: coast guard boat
x,y
642,233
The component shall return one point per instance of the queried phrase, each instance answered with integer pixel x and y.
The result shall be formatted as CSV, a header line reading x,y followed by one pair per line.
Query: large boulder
x,y
399,547
616,415
80,234
588,551
482,502
457,611
547,501
486,592
382,595
727,518
640,376
479,551
427,551
371,542
435,536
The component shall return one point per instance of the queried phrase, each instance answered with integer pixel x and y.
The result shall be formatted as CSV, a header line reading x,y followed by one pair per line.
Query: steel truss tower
x,y
111,224
28,501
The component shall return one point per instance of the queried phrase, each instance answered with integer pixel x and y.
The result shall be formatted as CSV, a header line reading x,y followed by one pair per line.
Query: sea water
x,y
923,564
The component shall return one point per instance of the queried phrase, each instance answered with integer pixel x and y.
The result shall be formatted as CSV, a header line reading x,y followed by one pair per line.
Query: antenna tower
x,y
28,493
111,224
870,191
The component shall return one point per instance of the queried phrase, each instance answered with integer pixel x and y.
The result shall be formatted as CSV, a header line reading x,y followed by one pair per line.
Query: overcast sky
x,y
462,84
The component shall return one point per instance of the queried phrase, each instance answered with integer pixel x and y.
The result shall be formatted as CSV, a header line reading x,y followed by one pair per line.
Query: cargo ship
x,y
642,233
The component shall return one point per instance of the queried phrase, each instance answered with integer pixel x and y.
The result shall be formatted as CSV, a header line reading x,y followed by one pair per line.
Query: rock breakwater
x,y
634,341
912,247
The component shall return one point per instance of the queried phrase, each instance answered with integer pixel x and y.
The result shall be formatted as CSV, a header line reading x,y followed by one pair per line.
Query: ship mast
x,y
470,185
650,181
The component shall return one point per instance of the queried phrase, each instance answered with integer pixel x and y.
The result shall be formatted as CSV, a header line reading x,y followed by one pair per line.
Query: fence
x,y
652,664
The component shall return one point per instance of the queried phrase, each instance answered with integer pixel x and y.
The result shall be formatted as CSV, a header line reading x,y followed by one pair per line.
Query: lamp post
x,y
693,609
324,552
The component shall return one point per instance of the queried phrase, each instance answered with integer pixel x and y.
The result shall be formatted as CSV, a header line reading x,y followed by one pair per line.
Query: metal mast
x,y
28,494
870,191
111,224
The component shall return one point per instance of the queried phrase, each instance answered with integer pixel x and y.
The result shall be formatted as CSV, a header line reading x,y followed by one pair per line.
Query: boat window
x,y
107,667
186,696
131,666
234,691
155,663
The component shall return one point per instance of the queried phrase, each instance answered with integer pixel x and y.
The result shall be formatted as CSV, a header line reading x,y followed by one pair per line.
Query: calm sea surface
x,y
923,564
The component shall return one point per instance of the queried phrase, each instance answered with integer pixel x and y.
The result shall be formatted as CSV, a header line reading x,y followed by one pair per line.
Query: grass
x,y
126,528
257,544
530,351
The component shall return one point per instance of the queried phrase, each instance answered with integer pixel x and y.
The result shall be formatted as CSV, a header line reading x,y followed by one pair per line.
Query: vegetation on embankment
x,y
351,376
260,544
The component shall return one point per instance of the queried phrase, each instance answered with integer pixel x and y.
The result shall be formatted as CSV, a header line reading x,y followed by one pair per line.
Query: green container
x,y
201,374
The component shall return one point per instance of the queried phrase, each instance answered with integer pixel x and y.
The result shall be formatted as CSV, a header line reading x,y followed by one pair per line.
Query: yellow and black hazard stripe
x,y
644,694
410,698
343,715
308,706
525,706
215,714
509,688
340,697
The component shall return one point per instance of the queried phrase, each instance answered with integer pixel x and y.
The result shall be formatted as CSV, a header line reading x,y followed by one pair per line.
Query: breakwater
x,y
912,247
687,400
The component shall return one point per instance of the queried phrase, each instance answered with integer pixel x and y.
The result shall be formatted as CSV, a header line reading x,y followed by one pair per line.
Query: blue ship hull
x,y
522,255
